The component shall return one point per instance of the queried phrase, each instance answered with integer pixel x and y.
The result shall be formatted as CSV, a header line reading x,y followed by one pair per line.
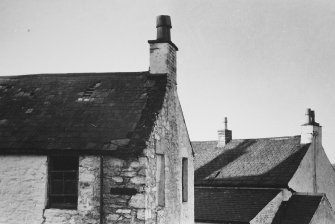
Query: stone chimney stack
x,y
163,51
311,130
225,135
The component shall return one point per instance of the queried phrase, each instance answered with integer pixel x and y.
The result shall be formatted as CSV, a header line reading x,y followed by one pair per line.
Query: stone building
x,y
281,180
97,147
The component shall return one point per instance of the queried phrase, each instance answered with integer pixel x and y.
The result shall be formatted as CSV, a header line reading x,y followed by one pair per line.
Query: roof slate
x,y
90,112
266,162
298,209
230,205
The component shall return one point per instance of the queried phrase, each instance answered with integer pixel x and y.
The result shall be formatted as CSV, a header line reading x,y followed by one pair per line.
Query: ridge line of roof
x,y
274,138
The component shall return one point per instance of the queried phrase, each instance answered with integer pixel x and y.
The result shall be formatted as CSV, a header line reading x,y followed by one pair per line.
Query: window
x,y
160,180
185,179
63,182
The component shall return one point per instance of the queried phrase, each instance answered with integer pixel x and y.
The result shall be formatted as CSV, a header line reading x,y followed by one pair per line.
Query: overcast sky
x,y
261,63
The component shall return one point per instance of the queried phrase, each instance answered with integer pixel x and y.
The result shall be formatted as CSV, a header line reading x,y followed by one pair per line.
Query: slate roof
x,y
298,209
265,162
84,113
230,205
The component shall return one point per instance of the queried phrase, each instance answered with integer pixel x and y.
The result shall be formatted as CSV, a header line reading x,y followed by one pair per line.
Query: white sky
x,y
260,62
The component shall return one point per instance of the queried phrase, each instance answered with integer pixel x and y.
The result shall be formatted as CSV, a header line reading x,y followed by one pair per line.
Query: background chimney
x,y
224,135
311,130
163,53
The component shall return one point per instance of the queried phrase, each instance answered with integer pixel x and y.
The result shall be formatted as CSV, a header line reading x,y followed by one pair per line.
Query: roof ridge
x,y
240,139
74,73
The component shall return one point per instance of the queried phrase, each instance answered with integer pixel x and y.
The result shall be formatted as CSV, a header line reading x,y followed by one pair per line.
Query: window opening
x,y
63,182
160,180
185,179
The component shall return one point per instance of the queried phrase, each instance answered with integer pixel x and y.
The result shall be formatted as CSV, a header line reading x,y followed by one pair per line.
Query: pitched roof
x,y
298,209
230,205
90,112
266,162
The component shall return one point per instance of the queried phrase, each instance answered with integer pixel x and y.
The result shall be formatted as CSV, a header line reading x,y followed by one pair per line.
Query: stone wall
x,y
125,190
22,189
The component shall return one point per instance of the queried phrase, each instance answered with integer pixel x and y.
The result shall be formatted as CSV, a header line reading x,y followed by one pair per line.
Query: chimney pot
x,y
163,25
308,116
163,20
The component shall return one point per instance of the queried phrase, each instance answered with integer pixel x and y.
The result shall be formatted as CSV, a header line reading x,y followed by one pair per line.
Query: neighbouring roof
x,y
265,162
91,112
230,205
298,209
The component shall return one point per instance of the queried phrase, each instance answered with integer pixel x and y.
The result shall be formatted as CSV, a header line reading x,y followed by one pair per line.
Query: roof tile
x,y
230,205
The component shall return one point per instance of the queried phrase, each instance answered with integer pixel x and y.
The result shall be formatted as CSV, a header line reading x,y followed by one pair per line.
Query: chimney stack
x,y
225,135
311,130
163,52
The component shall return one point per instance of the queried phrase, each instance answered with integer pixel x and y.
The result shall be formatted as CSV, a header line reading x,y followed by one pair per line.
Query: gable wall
x,y
302,180
170,139
186,151
324,214
325,176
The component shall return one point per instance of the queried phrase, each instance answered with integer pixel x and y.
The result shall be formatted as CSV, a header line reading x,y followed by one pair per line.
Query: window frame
x,y
51,171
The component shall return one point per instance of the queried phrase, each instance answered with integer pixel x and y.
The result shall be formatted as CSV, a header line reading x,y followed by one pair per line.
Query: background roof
x,y
266,162
229,205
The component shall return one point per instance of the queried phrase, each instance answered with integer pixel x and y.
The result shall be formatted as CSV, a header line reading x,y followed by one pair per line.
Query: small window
x,y
63,182
185,179
160,180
